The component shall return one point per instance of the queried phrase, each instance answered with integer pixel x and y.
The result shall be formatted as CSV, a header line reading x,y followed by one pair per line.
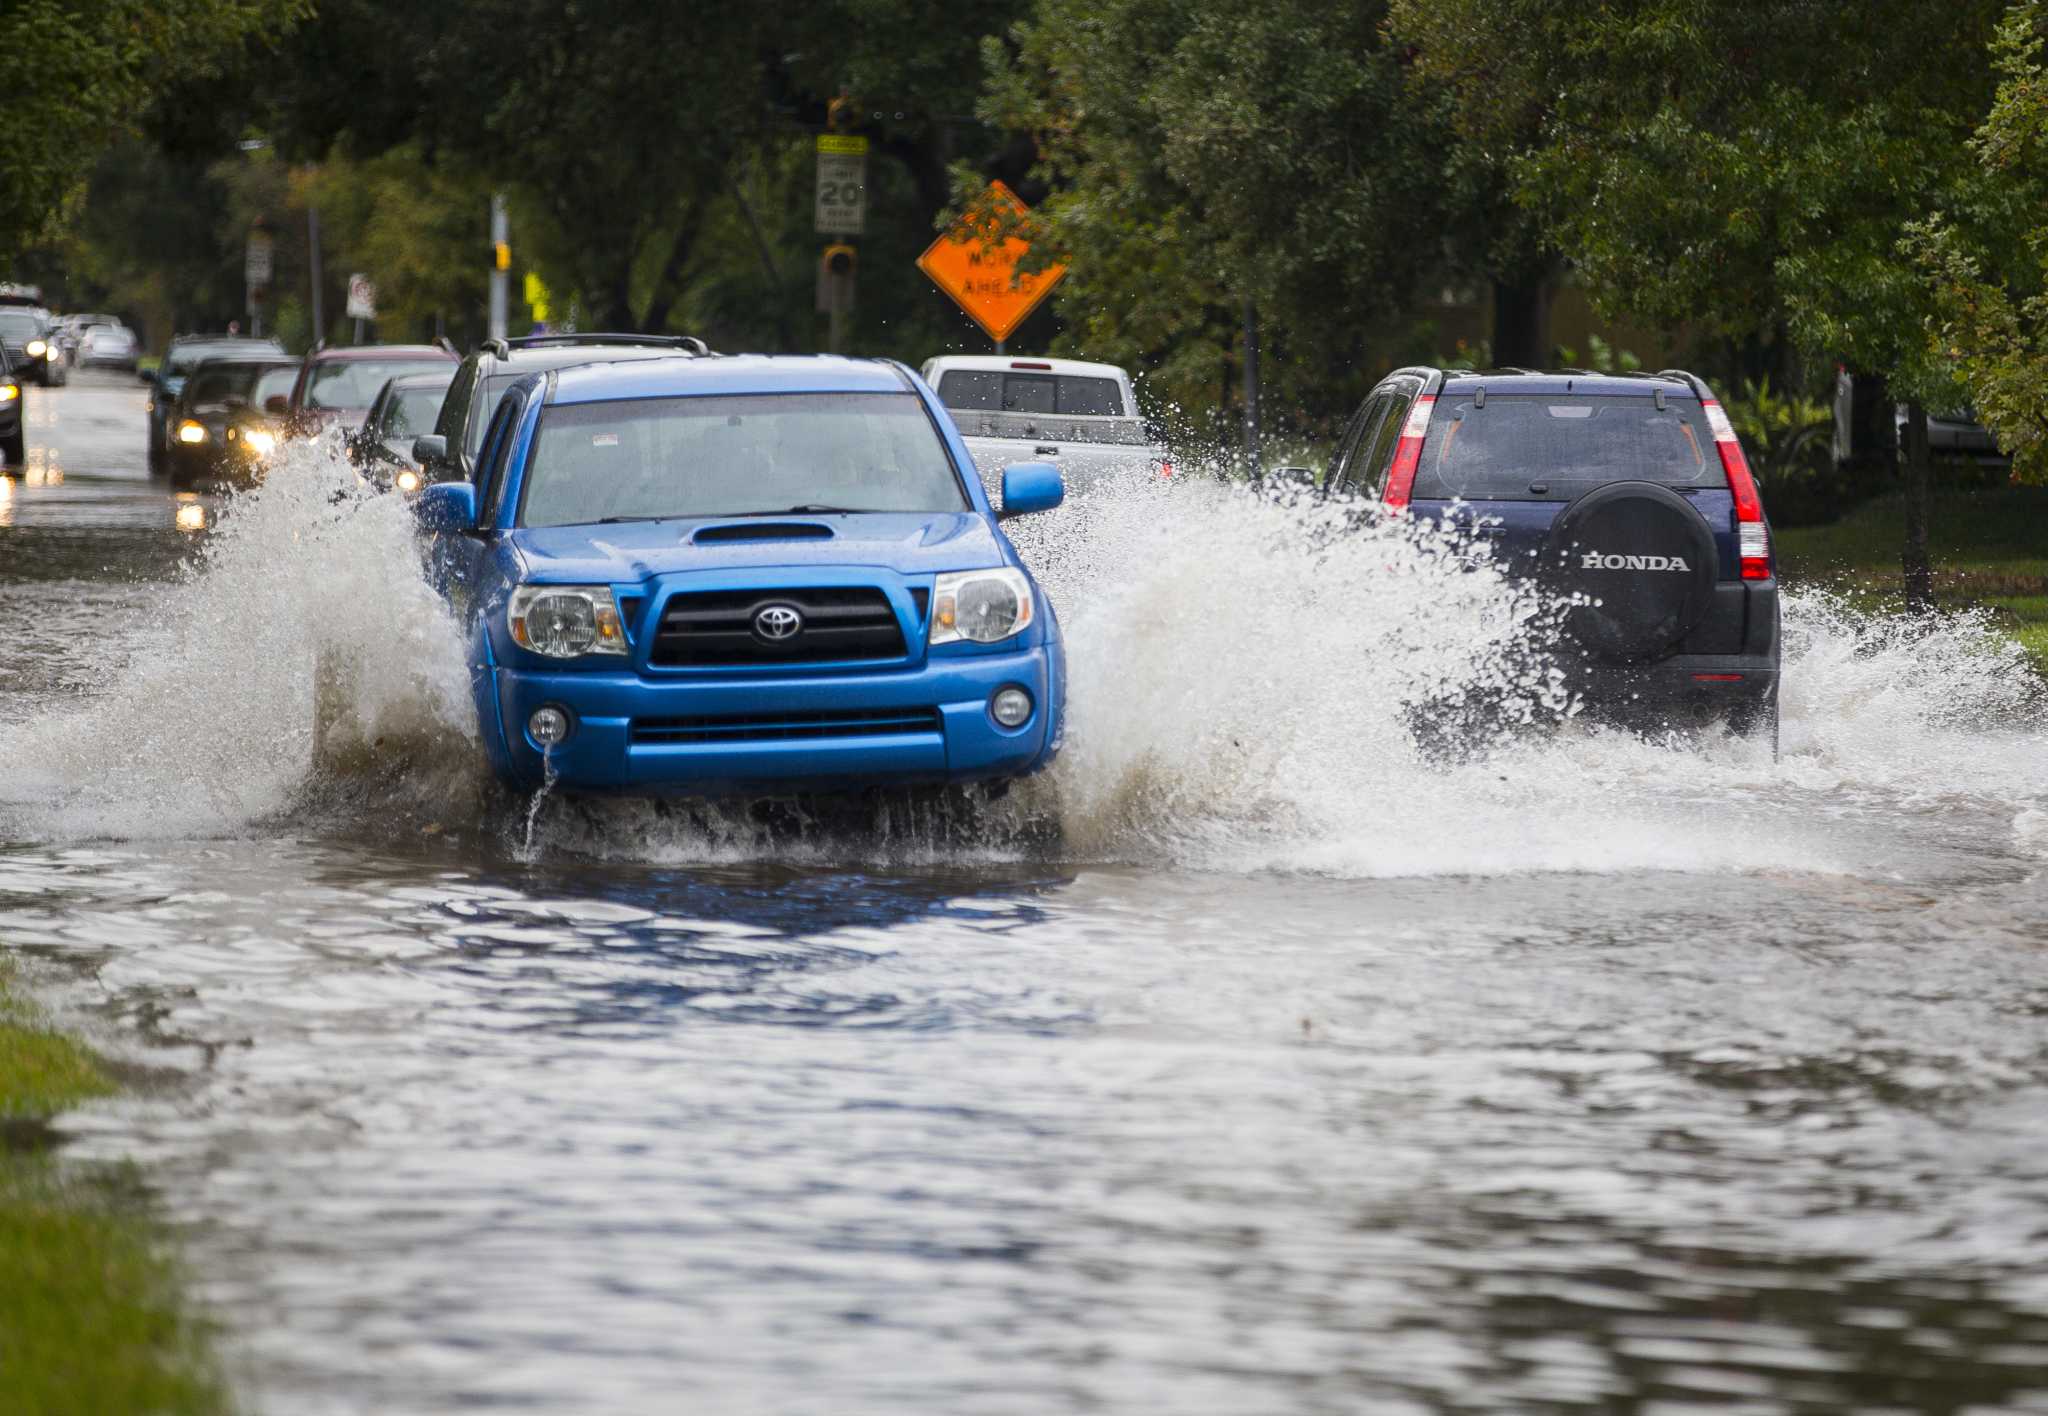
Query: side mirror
x,y
447,506
277,405
429,448
1029,487
149,377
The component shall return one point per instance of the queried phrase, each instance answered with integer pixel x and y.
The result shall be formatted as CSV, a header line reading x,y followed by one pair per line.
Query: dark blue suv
x,y
1626,497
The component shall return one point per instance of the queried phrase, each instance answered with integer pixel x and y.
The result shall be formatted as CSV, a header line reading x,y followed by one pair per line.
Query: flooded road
x,y
1290,1072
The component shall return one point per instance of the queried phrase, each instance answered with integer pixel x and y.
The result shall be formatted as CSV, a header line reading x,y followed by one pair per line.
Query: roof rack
x,y
651,341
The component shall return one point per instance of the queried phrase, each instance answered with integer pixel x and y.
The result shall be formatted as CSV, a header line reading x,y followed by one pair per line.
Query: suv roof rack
x,y
651,341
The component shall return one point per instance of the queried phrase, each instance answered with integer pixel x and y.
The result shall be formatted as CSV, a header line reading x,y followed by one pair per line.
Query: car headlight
x,y
9,392
36,348
563,621
259,441
191,432
981,606
408,480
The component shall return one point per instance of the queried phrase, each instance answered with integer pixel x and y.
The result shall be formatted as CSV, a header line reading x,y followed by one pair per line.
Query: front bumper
x,y
614,745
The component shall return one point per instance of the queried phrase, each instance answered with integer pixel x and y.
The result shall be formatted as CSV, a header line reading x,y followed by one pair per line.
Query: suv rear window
x,y
1500,451
994,391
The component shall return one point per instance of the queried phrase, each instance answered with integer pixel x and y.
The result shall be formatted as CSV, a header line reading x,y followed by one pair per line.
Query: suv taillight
x,y
1408,454
1752,537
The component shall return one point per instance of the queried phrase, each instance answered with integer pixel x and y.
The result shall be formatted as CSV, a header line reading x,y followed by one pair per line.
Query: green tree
x,y
1199,157
1988,265
76,75
1746,167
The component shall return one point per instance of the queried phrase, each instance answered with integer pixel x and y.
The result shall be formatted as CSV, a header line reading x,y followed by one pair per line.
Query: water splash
x,y
1244,678
307,597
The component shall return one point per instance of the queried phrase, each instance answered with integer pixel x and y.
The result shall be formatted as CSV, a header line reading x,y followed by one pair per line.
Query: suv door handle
x,y
1049,451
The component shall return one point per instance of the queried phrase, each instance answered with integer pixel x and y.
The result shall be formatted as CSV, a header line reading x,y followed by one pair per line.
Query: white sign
x,y
257,261
841,208
362,298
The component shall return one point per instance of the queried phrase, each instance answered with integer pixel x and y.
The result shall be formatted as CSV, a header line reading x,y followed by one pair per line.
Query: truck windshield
x,y
995,391
1496,450
750,455
19,324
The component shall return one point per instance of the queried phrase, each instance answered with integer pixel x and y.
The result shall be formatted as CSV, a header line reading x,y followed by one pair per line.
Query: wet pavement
x,y
1290,1073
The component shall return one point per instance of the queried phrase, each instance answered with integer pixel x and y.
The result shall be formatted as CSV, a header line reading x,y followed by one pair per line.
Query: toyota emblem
x,y
777,622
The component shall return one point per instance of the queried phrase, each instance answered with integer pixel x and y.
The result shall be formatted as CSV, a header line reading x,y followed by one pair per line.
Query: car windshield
x,y
276,383
353,383
995,391
1498,448
761,454
19,324
216,384
411,411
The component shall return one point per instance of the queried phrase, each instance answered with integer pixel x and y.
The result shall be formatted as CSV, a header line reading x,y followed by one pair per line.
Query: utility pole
x,y
501,264
313,254
1251,387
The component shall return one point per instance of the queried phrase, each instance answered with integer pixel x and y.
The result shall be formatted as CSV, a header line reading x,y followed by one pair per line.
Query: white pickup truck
x,y
1078,415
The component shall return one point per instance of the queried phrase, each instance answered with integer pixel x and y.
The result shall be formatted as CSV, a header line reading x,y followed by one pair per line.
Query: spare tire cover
x,y
1637,565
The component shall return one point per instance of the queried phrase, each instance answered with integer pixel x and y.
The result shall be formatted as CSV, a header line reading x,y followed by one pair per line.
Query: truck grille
x,y
786,727
840,624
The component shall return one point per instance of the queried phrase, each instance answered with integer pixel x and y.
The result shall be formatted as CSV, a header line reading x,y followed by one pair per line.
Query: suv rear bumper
x,y
618,742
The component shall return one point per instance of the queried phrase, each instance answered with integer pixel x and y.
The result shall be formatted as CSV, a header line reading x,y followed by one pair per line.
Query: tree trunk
x,y
1919,475
1521,322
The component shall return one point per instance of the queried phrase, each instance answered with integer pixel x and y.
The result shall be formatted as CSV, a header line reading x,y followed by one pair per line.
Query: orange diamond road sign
x,y
982,278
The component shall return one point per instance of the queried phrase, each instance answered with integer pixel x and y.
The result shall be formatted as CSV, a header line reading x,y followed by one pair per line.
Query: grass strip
x,y
1989,547
92,1319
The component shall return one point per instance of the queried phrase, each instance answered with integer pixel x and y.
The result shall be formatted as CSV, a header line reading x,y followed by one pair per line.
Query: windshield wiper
x,y
615,520
812,507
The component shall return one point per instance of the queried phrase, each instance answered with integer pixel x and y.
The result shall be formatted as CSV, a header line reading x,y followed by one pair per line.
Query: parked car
x,y
337,385
167,381
497,364
13,437
31,346
700,575
406,408
220,428
1626,497
1951,432
71,331
109,347
1081,417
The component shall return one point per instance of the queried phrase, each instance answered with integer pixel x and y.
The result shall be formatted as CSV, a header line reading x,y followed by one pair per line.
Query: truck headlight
x,y
261,442
35,348
980,606
191,432
564,621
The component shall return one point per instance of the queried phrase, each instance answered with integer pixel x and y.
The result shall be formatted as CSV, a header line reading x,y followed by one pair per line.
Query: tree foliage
x,y
1744,167
76,76
1988,266
1197,156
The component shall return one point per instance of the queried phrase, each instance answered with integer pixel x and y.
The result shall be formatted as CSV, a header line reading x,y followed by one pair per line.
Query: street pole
x,y
1251,387
500,278
313,254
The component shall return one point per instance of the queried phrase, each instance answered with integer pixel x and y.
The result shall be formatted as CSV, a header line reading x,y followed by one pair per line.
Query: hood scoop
x,y
762,531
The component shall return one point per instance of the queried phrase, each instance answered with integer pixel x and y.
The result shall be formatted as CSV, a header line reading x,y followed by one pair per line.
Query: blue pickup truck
x,y
710,574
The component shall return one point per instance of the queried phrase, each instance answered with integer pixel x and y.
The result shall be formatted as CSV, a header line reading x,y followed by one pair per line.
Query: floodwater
x,y
1251,1062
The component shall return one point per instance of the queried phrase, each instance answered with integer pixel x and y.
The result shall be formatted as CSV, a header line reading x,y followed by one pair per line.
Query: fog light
x,y
1011,707
548,726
